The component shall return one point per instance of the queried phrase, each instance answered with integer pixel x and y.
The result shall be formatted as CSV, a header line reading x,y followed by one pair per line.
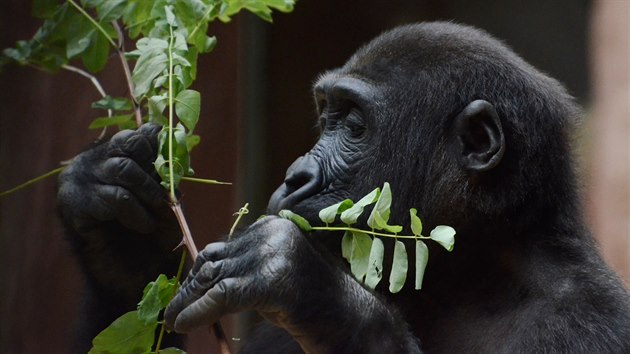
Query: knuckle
x,y
122,196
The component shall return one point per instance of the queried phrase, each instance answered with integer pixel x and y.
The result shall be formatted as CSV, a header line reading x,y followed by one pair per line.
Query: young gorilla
x,y
462,129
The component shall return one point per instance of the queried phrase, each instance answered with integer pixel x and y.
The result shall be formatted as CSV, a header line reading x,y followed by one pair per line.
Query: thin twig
x,y
32,181
188,241
94,23
204,180
186,234
86,74
96,84
242,211
121,54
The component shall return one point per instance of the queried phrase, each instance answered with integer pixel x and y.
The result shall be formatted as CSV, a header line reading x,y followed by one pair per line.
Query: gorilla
x,y
463,130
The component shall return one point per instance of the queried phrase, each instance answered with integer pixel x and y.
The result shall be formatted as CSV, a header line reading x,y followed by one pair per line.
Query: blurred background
x,y
258,116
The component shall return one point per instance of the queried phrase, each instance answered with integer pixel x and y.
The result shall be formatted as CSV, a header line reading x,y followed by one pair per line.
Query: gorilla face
x,y
327,173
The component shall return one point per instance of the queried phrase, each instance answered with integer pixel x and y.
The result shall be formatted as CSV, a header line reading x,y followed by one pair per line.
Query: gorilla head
x,y
460,126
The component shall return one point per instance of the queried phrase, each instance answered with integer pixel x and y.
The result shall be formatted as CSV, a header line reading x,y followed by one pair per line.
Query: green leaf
x,y
110,10
126,335
416,224
156,105
187,106
382,206
360,255
351,215
151,63
97,53
115,104
302,223
328,215
399,268
192,141
381,224
180,159
204,43
80,34
44,8
107,121
170,16
137,17
181,153
445,236
156,295
346,246
375,264
422,258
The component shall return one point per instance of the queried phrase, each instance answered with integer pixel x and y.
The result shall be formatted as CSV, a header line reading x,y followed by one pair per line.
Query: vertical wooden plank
x,y
609,192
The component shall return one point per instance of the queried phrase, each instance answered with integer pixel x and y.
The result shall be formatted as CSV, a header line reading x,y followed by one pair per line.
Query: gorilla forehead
x,y
430,71
432,45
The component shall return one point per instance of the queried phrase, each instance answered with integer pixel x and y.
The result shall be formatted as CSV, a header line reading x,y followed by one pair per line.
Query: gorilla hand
x,y
116,213
274,269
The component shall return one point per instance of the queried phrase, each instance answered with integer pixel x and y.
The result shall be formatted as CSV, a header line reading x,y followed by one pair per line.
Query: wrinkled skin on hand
x,y
117,214
263,269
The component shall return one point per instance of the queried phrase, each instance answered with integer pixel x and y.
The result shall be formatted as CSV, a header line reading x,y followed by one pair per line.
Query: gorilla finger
x,y
209,308
212,252
150,131
118,203
127,173
196,285
119,139
139,148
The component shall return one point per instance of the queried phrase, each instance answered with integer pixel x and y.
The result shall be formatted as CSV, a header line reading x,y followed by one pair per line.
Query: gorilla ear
x,y
480,137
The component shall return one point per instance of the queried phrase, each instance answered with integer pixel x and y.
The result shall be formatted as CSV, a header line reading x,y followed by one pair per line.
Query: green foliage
x,y
445,236
422,258
170,35
134,332
375,263
351,215
364,249
155,297
127,334
359,244
399,268
302,223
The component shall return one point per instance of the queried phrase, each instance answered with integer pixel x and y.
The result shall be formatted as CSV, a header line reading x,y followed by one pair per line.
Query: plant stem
x,y
96,84
85,74
96,24
203,180
170,121
242,211
32,181
121,55
186,234
348,228
187,240
203,20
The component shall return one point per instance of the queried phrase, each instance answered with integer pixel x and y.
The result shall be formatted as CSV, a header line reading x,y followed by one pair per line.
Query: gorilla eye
x,y
354,123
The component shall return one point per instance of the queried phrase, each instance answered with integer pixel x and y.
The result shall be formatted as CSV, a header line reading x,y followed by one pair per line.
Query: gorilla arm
x,y
272,267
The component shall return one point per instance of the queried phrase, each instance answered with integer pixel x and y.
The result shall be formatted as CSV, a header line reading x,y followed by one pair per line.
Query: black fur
x,y
470,135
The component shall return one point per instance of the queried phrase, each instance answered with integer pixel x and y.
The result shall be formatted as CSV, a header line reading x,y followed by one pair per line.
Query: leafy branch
x,y
364,249
170,35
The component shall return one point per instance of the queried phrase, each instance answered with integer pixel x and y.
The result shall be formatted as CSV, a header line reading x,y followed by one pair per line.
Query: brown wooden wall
x,y
257,117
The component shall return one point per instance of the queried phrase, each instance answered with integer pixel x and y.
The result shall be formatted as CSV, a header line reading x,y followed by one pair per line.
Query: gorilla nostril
x,y
303,179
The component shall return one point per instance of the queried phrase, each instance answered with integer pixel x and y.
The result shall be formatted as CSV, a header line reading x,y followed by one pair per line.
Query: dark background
x,y
257,117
